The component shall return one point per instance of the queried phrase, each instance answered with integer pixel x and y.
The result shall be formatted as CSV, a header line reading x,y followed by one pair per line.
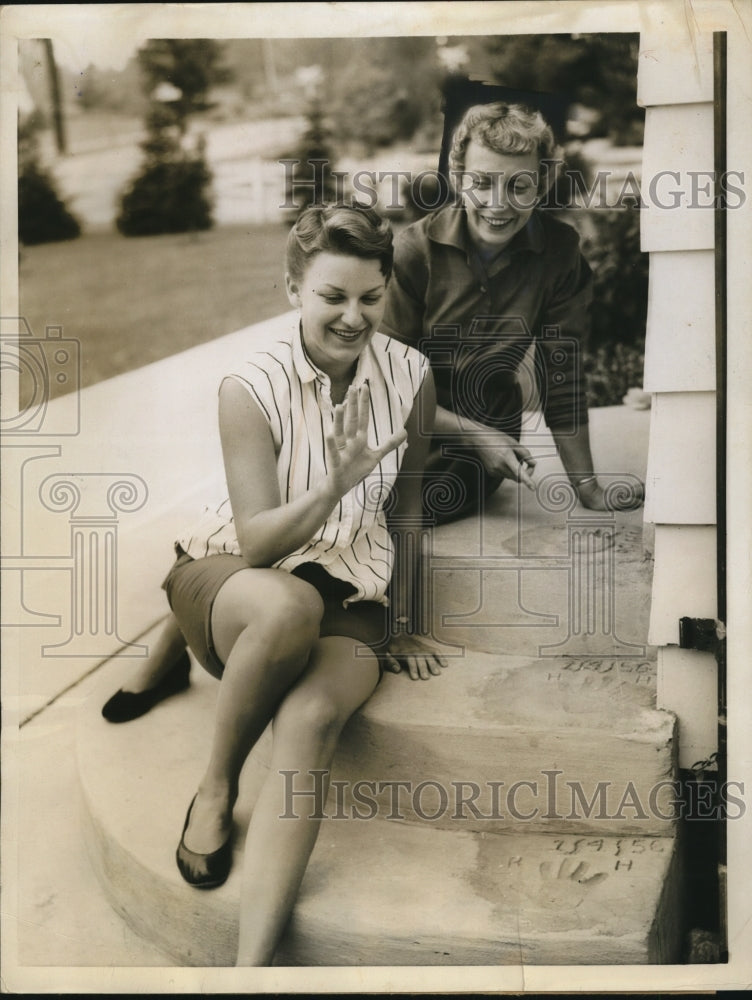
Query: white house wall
x,y
681,459
681,355
675,66
677,187
686,677
675,85
684,581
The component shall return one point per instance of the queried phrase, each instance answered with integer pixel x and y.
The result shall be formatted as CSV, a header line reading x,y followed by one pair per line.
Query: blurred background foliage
x,y
614,357
597,72
357,103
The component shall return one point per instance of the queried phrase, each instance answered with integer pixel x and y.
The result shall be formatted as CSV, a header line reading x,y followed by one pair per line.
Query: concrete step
x,y
466,890
526,580
545,731
426,896
562,746
433,897
430,897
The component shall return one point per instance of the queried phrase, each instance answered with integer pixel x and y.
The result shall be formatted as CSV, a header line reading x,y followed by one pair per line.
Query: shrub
x,y
620,272
610,371
170,196
42,216
309,183
615,353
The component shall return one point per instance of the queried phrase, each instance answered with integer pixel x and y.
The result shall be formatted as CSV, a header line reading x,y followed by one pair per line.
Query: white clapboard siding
x,y
675,86
676,65
684,584
681,459
686,679
677,185
680,346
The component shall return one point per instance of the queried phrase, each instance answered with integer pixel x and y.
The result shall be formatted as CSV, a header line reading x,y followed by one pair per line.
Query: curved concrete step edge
x,y
199,928
133,855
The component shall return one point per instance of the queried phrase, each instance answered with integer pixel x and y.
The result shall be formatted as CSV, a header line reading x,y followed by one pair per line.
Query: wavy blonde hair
x,y
510,129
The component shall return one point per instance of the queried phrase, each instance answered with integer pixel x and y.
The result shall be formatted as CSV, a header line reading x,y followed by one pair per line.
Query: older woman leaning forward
x,y
476,284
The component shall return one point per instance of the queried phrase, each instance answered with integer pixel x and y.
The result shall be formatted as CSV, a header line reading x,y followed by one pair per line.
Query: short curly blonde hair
x,y
510,129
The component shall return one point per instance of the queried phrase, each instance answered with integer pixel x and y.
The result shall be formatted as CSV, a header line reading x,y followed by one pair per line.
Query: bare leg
x,y
264,624
306,731
161,659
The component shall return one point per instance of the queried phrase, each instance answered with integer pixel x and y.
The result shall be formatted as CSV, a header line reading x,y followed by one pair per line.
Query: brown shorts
x,y
193,584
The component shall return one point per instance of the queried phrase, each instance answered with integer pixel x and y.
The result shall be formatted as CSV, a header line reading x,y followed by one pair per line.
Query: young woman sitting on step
x,y
284,585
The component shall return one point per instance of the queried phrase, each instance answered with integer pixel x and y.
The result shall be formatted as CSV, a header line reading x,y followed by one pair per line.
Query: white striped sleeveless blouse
x,y
353,544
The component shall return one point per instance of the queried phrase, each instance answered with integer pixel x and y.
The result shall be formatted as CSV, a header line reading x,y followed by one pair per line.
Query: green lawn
x,y
131,301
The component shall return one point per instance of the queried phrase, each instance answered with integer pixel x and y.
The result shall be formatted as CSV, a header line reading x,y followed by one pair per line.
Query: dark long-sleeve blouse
x,y
475,322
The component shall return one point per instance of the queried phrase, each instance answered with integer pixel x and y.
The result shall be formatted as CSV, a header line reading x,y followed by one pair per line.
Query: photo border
x,y
140,21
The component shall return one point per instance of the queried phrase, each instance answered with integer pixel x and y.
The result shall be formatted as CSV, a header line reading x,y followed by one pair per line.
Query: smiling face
x,y
499,192
342,301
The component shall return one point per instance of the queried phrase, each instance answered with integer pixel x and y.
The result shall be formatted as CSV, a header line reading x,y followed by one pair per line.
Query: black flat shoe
x,y
204,871
126,705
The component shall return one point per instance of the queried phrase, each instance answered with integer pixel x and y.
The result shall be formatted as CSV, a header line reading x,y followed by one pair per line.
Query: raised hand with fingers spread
x,y
349,456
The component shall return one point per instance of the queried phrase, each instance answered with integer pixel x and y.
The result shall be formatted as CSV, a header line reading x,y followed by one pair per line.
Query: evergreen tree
x,y
310,181
172,192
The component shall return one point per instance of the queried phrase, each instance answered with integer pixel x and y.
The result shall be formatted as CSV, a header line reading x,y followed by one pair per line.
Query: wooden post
x,y
57,105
